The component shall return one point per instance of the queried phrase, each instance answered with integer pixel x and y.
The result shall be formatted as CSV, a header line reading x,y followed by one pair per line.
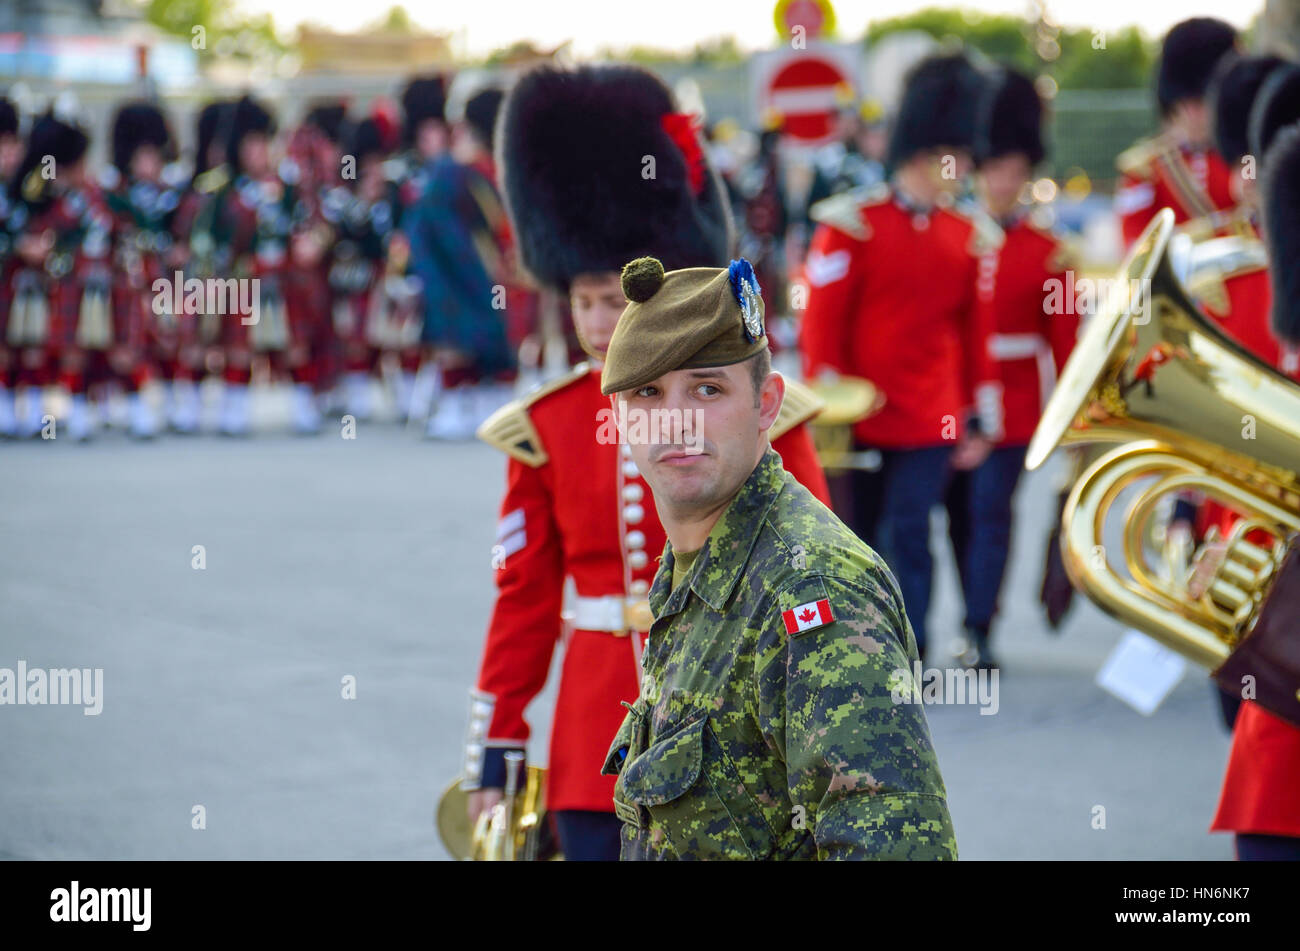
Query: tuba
x,y
1191,410
514,830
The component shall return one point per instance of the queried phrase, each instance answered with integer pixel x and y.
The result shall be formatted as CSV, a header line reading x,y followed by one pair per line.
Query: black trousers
x,y
980,527
889,509
587,836
1268,848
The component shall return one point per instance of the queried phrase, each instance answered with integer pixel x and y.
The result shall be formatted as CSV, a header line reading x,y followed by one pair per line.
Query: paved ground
x,y
328,558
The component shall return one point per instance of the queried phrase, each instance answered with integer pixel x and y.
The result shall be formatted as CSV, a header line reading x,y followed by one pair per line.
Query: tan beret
x,y
683,320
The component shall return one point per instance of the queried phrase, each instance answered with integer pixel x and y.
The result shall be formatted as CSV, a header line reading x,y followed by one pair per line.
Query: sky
x,y
484,25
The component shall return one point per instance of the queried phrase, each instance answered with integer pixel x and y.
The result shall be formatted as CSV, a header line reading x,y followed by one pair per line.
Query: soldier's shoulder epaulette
x,y
511,429
1137,160
33,187
212,181
844,211
800,405
568,378
986,234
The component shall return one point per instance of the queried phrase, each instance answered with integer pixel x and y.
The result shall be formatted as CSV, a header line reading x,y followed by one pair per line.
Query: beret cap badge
x,y
744,284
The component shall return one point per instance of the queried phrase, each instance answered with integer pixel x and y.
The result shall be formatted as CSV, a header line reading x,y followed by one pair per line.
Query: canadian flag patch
x,y
807,616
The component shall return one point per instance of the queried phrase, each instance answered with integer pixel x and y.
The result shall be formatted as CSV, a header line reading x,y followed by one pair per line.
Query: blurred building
x,y
88,41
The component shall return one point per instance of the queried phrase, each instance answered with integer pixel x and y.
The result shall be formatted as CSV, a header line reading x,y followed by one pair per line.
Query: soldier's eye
x,y
708,389
645,391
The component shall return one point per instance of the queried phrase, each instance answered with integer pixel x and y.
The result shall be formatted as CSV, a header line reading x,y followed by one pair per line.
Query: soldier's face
x,y
11,154
696,435
948,167
431,138
1192,117
255,155
1001,181
873,141
147,164
1244,187
597,303
72,176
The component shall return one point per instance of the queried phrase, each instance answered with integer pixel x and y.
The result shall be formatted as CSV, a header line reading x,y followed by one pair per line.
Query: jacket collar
x,y
719,565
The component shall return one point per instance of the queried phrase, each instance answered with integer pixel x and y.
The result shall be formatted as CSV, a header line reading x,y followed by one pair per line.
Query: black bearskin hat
x,y
1276,105
248,117
574,150
1190,52
1232,92
481,114
1010,118
1280,185
423,98
8,117
940,101
137,124
53,137
366,138
212,126
330,118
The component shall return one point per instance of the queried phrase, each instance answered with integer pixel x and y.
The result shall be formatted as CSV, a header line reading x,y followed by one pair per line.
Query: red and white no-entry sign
x,y
806,88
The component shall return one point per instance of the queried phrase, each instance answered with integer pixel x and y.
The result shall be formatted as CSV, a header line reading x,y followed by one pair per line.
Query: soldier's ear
x,y
770,396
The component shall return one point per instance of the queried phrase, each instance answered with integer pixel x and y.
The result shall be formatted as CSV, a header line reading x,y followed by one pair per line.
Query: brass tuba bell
x,y
1194,411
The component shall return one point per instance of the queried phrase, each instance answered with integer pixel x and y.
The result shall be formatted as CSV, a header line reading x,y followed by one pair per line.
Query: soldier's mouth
x,y
677,457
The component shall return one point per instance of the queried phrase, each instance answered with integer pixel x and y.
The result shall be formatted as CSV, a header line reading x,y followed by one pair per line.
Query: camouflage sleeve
x,y
860,766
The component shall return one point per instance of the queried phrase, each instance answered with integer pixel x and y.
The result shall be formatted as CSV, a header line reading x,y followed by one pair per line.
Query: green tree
x,y
1078,63
1001,37
1125,62
224,32
396,20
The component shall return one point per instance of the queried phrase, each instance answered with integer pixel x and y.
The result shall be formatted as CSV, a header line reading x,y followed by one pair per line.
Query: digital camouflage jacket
x,y
768,725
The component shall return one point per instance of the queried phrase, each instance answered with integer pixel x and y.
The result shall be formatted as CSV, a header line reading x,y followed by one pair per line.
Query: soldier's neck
x,y
689,528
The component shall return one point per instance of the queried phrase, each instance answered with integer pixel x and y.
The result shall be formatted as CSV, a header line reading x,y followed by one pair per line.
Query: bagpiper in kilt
x,y
61,318
202,257
143,204
263,219
372,313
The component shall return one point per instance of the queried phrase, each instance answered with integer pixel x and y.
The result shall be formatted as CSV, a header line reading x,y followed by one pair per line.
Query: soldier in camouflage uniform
x,y
774,719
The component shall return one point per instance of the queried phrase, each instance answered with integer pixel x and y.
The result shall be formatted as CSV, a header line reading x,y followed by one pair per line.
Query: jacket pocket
x,y
693,795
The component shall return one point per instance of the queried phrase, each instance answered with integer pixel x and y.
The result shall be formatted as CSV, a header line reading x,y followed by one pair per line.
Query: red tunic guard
x,y
1031,336
892,298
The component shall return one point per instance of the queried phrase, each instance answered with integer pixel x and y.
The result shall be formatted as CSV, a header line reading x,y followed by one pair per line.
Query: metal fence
x,y
1089,128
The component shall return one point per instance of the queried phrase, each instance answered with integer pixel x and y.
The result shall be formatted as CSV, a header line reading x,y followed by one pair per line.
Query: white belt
x,y
611,613
1015,346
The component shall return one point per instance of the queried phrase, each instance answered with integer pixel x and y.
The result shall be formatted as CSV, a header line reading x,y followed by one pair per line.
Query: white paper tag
x,y
1141,672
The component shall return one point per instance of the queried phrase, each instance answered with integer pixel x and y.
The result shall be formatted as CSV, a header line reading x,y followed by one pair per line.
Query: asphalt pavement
x,y
332,566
